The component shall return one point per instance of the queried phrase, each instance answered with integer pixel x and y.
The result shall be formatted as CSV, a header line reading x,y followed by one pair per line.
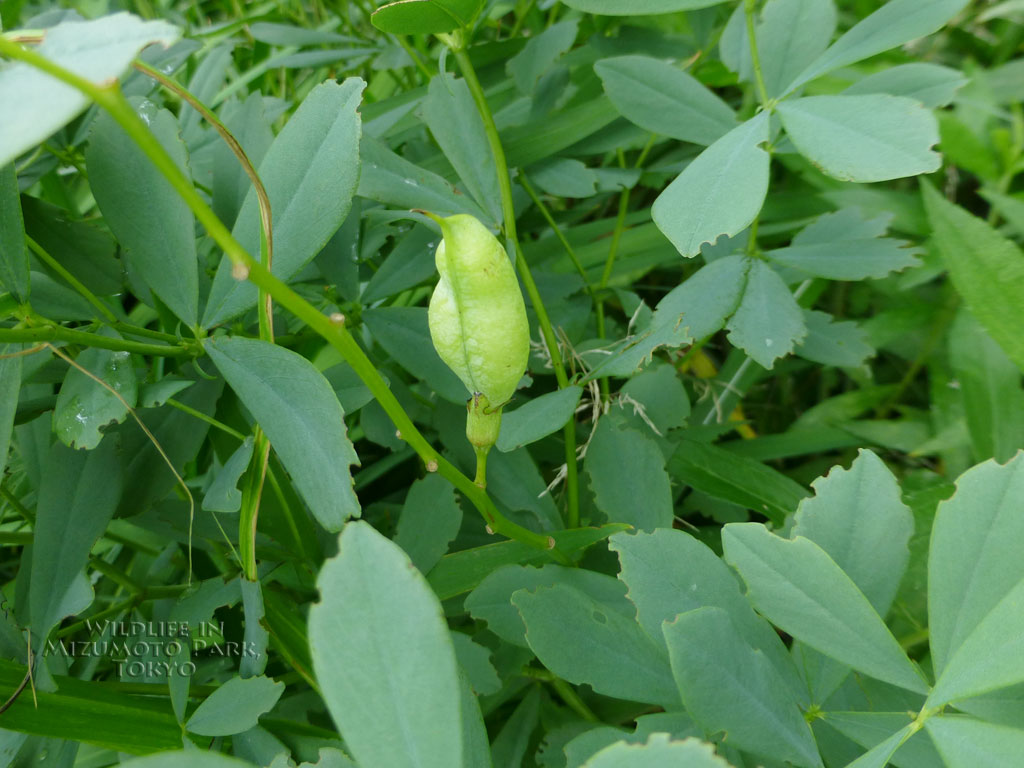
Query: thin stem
x,y
251,505
148,593
509,216
266,218
70,279
145,333
481,467
110,98
613,251
565,691
508,211
59,333
546,213
416,59
203,417
755,57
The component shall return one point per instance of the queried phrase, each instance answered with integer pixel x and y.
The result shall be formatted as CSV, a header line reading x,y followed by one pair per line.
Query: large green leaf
x,y
931,84
85,406
669,572
92,713
76,501
384,658
84,249
461,571
190,757
492,600
456,125
694,309
149,218
638,7
13,252
990,658
627,474
658,752
768,323
538,418
790,35
251,129
879,755
582,641
510,745
664,99
986,268
425,17
476,749
98,51
895,23
540,54
430,520
293,403
965,742
858,517
863,138
738,479
875,731
845,245
391,179
990,390
842,344
235,706
727,685
549,134
800,589
719,193
10,383
310,172
974,559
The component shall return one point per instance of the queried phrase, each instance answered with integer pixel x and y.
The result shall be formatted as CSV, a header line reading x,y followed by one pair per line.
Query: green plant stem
x,y
546,213
755,58
110,98
59,333
147,594
104,310
203,417
509,213
606,273
914,639
249,513
145,333
565,691
416,59
70,279
116,575
509,216
481,467
938,330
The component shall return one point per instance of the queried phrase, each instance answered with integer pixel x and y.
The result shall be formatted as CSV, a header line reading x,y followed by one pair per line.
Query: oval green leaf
x,y
293,403
384,658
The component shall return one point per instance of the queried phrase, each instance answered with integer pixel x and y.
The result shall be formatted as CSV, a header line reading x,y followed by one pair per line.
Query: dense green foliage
x,y
757,500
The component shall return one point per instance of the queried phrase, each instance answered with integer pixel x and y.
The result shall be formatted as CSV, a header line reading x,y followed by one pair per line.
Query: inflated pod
x,y
478,321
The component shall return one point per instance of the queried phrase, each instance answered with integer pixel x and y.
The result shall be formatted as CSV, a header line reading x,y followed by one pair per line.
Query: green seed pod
x,y
478,321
